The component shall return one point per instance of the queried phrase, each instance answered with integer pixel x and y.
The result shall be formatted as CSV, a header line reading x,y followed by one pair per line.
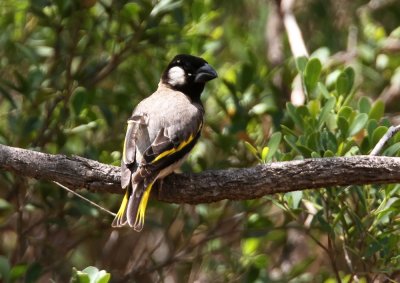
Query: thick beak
x,y
204,74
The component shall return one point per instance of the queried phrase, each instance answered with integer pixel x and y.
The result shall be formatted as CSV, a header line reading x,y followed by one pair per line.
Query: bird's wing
x,y
170,145
135,123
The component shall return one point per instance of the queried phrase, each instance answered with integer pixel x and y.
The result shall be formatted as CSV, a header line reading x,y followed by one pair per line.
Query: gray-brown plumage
x,y
161,131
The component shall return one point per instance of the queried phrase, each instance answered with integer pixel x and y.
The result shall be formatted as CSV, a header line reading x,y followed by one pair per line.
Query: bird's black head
x,y
188,74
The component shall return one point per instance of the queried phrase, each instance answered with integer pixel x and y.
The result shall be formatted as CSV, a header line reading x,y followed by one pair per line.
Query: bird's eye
x,y
178,61
190,74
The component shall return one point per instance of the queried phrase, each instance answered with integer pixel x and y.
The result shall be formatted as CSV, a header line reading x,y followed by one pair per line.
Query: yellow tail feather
x,y
139,221
121,211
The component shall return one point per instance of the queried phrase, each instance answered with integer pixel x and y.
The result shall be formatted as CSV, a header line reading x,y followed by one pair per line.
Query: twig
x,y
348,262
389,134
297,46
85,199
293,31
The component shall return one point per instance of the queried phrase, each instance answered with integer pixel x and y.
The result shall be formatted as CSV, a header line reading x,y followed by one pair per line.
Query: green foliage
x,y
90,275
311,74
30,272
71,73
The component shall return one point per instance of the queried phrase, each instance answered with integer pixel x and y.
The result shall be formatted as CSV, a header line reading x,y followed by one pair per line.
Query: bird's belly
x,y
170,169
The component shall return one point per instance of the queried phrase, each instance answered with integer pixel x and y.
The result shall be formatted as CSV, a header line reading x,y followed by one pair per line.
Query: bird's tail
x,y
133,207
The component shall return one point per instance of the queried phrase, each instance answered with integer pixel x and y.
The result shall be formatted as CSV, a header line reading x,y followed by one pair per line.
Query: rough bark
x,y
209,186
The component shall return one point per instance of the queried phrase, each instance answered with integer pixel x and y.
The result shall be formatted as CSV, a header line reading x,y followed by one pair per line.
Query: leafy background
x,y
71,73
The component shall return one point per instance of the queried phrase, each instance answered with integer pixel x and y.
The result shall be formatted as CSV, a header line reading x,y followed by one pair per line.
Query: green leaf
x,y
301,63
345,147
378,134
245,76
342,84
377,110
345,81
358,123
315,155
291,110
292,144
314,107
18,271
371,126
273,144
305,151
396,137
251,148
288,131
131,10
349,71
364,105
197,10
311,74
90,274
328,153
345,112
262,108
365,145
313,141
79,100
328,141
392,150
331,122
295,197
328,107
343,126
325,226
260,261
81,277
323,90
302,112
264,153
164,6
82,128
250,246
103,277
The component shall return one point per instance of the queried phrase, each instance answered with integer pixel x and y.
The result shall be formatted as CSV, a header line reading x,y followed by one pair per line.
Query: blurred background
x,y
71,73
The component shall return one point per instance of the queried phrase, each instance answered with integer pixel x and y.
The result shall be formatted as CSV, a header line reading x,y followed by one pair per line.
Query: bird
x,y
162,130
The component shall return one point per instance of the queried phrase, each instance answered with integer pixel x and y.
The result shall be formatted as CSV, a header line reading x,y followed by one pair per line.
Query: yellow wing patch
x,y
173,150
176,149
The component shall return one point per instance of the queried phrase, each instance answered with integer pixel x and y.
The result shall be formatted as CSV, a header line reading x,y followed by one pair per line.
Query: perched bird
x,y
162,130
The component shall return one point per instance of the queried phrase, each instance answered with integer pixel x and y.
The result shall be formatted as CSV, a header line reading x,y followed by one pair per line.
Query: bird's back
x,y
178,121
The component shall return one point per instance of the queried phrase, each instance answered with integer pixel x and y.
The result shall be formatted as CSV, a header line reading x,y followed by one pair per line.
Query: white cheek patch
x,y
176,76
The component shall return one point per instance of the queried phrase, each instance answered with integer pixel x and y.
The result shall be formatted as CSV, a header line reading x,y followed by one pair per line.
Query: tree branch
x,y
209,186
